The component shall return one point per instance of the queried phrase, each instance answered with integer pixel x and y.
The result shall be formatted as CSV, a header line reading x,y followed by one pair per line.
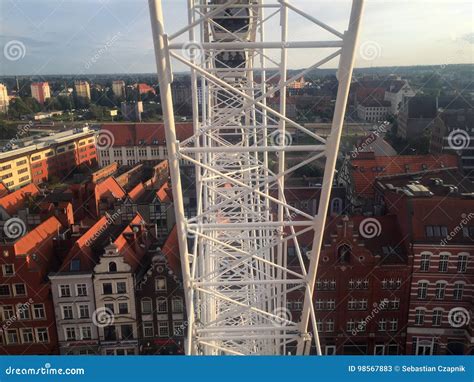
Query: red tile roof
x,y
135,134
3,190
137,191
17,199
34,239
109,186
171,251
164,193
132,253
367,167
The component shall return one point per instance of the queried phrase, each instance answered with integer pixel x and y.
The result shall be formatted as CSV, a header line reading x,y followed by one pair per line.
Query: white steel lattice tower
x,y
235,269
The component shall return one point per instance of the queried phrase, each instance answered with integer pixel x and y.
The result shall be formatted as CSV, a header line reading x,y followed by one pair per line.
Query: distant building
x,y
137,142
132,111
4,100
436,216
145,88
118,87
36,160
453,131
83,89
416,117
358,174
40,91
395,92
373,110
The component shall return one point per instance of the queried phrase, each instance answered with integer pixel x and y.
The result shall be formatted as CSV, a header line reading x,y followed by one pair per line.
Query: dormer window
x,y
344,254
112,267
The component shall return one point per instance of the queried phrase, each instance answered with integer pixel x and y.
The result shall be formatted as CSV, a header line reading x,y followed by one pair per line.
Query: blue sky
x,y
114,36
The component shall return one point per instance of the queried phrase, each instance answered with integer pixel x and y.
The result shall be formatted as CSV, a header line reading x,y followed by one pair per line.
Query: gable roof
x,y
171,251
31,242
17,199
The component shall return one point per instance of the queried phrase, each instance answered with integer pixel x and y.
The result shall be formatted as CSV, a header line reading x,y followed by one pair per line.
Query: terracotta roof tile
x,y
17,199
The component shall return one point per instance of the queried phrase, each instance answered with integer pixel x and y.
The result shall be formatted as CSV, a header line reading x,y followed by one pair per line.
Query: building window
x,y
458,291
344,254
112,267
81,290
70,333
127,332
382,325
440,289
83,311
42,335
64,291
163,329
123,308
38,311
395,304
177,305
161,305
350,325
107,288
110,308
437,317
160,284
422,290
393,325
20,289
443,263
121,287
148,329
425,262
23,311
12,336
330,325
5,290
146,306
8,312
8,270
419,316
27,335
110,334
67,312
436,231
462,263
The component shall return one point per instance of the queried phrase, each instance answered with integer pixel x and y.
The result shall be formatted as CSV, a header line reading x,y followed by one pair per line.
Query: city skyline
x,y
107,36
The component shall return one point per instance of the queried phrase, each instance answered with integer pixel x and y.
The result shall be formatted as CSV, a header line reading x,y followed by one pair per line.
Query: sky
x,y
81,37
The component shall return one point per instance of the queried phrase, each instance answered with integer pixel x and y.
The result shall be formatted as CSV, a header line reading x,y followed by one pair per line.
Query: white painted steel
x,y
234,251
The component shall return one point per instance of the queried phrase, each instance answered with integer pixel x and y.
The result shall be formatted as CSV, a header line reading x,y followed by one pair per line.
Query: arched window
x,y
336,206
177,304
344,254
146,304
112,267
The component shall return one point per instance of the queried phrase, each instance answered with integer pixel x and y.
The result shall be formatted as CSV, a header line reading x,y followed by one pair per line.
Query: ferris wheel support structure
x,y
234,250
